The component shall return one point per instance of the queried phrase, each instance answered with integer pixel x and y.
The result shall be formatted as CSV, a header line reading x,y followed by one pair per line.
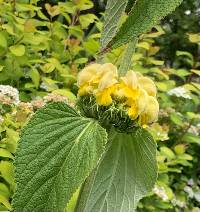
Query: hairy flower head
x,y
133,94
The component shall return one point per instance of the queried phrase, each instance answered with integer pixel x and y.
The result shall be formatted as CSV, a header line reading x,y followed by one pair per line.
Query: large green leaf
x,y
144,15
114,10
57,151
126,173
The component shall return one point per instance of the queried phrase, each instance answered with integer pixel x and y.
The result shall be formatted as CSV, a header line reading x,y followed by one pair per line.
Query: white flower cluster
x,y
192,194
178,203
194,129
160,191
11,93
179,92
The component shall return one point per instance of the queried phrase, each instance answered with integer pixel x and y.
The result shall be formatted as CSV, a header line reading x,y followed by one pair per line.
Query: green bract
x,y
107,116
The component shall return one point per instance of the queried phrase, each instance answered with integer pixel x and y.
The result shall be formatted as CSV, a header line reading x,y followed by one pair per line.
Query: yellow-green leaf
x,y
194,37
5,153
17,50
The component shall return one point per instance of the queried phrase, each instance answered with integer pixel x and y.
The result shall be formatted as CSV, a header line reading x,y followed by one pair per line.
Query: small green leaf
x,y
194,37
5,202
126,173
52,10
179,149
86,20
5,153
7,171
1,67
177,119
167,152
84,4
35,76
143,45
3,41
156,62
17,50
196,71
144,15
81,60
184,53
191,138
4,190
48,67
57,151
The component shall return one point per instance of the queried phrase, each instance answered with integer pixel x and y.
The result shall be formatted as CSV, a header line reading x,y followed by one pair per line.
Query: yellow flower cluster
x,y
136,93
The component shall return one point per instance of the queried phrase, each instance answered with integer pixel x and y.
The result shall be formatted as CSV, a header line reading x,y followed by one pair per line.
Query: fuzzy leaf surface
x,y
144,15
125,174
57,151
114,10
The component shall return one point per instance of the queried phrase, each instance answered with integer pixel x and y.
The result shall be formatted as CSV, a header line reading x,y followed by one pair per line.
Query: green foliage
x,y
124,175
57,151
114,11
42,46
143,16
177,130
180,27
10,124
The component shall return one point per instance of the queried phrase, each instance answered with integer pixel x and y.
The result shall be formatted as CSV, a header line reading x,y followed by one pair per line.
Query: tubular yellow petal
x,y
151,112
142,101
107,81
148,85
84,89
108,67
88,74
133,112
104,97
130,93
130,80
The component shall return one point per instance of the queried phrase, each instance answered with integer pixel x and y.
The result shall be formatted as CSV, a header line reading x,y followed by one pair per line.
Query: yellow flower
x,y
130,80
150,114
107,68
138,105
107,80
129,86
104,97
84,89
95,78
142,101
88,74
107,84
133,111
148,85
136,92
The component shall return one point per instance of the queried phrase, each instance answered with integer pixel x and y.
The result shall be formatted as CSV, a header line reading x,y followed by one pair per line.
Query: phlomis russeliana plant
x,y
99,147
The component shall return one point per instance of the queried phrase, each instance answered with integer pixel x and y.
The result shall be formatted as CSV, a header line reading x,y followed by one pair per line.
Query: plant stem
x,y
126,59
